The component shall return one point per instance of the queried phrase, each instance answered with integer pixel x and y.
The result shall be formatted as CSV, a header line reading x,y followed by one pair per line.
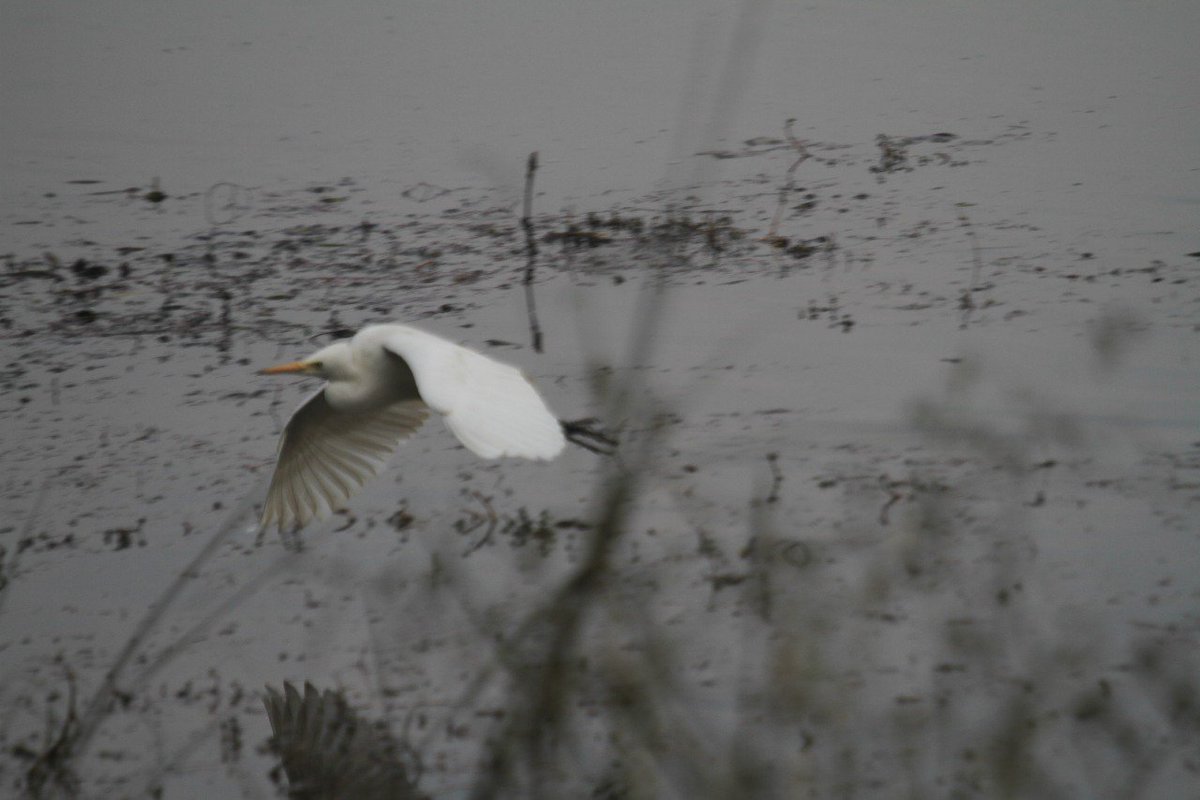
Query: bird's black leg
x,y
588,434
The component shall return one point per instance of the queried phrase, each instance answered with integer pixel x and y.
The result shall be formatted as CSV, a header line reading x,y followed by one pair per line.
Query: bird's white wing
x,y
325,457
491,407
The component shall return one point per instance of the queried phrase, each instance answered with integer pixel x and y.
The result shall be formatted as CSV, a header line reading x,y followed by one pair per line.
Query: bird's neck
x,y
371,386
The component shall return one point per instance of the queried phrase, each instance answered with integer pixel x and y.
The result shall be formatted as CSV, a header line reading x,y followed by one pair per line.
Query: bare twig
x,y
776,477
536,716
531,250
536,727
52,762
785,191
101,703
967,302
248,589
8,571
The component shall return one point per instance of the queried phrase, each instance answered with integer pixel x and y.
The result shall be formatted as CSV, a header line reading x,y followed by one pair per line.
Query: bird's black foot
x,y
588,434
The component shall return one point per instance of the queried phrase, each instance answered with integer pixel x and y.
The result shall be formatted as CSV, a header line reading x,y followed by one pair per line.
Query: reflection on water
x,y
906,492
327,751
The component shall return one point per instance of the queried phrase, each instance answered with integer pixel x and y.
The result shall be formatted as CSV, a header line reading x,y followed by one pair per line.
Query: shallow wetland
x,y
907,500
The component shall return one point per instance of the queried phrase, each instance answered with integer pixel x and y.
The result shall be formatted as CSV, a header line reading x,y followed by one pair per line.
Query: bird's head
x,y
331,363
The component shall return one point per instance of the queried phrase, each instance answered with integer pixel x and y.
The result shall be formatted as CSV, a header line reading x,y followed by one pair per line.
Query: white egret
x,y
379,388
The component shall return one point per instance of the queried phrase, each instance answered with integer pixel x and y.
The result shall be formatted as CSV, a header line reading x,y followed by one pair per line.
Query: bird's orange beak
x,y
291,366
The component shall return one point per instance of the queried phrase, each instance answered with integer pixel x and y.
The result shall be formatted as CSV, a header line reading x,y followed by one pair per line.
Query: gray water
x,y
963,498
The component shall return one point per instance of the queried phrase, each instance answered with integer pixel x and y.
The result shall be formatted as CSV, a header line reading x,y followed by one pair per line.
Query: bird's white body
x,y
380,387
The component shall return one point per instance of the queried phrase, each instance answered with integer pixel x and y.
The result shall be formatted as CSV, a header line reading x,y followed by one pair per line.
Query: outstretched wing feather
x,y
325,457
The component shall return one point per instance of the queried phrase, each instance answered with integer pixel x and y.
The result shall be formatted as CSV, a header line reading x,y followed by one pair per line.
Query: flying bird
x,y
380,386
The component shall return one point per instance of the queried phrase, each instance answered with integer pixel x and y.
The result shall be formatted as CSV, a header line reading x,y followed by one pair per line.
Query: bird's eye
x,y
315,364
